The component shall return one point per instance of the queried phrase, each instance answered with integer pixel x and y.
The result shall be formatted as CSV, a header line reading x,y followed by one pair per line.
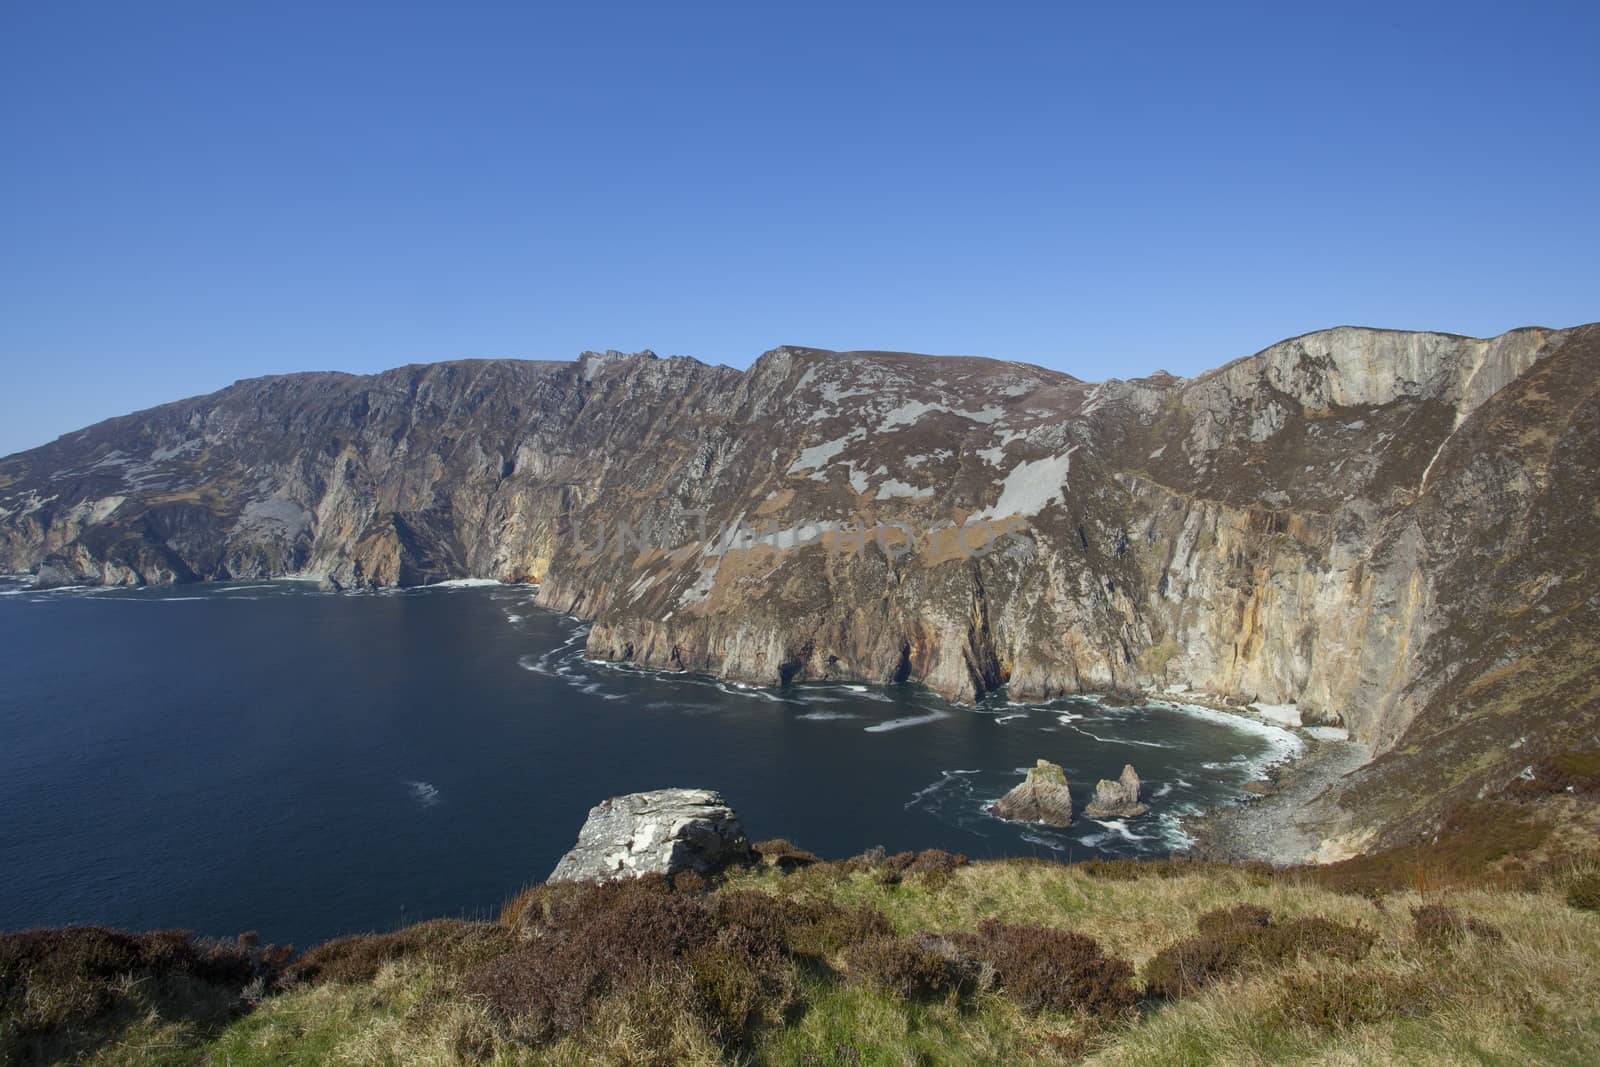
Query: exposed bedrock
x,y
1373,525
1042,797
660,832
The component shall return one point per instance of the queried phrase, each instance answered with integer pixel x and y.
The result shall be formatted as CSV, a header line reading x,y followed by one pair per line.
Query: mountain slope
x,y
1390,530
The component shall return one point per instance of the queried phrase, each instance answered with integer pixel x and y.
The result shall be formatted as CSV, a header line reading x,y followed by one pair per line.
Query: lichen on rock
x,y
1117,799
659,832
1042,797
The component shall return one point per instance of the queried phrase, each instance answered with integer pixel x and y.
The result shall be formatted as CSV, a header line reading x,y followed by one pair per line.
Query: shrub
x,y
1437,925
1043,967
739,980
690,882
934,866
451,943
784,854
1583,892
1479,844
1247,916
1230,941
1340,1000
903,968
70,989
590,942
1576,772
811,928
637,943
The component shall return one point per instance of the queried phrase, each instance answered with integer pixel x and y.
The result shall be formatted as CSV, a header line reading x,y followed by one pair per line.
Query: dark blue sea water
x,y
269,757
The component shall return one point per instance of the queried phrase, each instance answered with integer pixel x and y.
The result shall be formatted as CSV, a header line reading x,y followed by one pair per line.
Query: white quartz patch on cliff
x,y
1031,487
893,488
821,455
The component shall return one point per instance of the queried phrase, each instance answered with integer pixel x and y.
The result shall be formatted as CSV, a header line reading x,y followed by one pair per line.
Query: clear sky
x,y
195,193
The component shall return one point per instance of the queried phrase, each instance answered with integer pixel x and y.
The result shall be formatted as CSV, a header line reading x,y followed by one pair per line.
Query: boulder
x,y
1117,799
1042,797
660,832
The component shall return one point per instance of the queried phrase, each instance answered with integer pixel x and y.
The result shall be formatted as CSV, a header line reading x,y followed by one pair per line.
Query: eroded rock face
x,y
1117,799
1392,531
660,832
1042,797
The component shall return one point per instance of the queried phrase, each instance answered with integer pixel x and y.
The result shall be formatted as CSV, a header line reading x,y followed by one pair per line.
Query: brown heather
x,y
1000,962
1231,940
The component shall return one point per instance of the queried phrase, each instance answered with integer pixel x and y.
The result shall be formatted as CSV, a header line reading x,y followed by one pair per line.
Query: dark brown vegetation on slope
x,y
65,991
1576,772
736,959
731,957
589,942
1484,843
450,943
1230,940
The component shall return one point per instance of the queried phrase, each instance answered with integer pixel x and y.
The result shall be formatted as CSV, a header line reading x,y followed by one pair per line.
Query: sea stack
x,y
1042,797
1117,799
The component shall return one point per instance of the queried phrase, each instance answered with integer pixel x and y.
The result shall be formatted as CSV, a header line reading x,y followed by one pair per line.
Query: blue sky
x,y
195,193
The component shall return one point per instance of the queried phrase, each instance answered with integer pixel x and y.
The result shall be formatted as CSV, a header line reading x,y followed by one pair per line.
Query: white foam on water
x,y
1166,787
242,588
1171,831
1327,733
424,793
1117,740
740,689
1049,843
826,716
1008,718
945,778
902,723
513,617
1120,828
463,583
1282,745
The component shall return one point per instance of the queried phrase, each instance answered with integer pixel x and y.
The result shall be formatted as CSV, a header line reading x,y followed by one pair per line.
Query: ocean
x,y
267,756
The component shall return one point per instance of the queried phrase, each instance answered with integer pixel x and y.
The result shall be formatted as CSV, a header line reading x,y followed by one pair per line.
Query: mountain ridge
x,y
1286,529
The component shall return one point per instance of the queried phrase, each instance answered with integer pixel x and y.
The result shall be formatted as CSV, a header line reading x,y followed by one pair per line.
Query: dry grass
x,y
915,970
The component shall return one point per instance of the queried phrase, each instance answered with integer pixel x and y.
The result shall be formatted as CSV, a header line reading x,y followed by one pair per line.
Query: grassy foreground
x,y
910,959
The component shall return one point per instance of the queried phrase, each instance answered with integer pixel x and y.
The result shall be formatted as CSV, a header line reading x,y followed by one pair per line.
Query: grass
x,y
888,960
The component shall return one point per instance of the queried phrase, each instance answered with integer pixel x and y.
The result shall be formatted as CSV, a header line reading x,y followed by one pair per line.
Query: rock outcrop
x,y
660,832
1391,531
1118,799
1041,797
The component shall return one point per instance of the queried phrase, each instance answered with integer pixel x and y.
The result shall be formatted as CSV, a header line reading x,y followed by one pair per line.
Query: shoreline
x,y
1272,826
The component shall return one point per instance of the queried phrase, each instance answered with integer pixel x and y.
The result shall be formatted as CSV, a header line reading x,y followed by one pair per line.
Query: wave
x,y
1115,740
902,723
463,583
1282,745
424,793
945,779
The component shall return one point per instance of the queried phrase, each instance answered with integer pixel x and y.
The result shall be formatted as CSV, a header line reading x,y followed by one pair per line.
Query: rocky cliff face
x,y
1393,531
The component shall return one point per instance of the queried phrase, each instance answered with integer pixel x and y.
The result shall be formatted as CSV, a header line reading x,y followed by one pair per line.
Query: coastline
x,y
1277,826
